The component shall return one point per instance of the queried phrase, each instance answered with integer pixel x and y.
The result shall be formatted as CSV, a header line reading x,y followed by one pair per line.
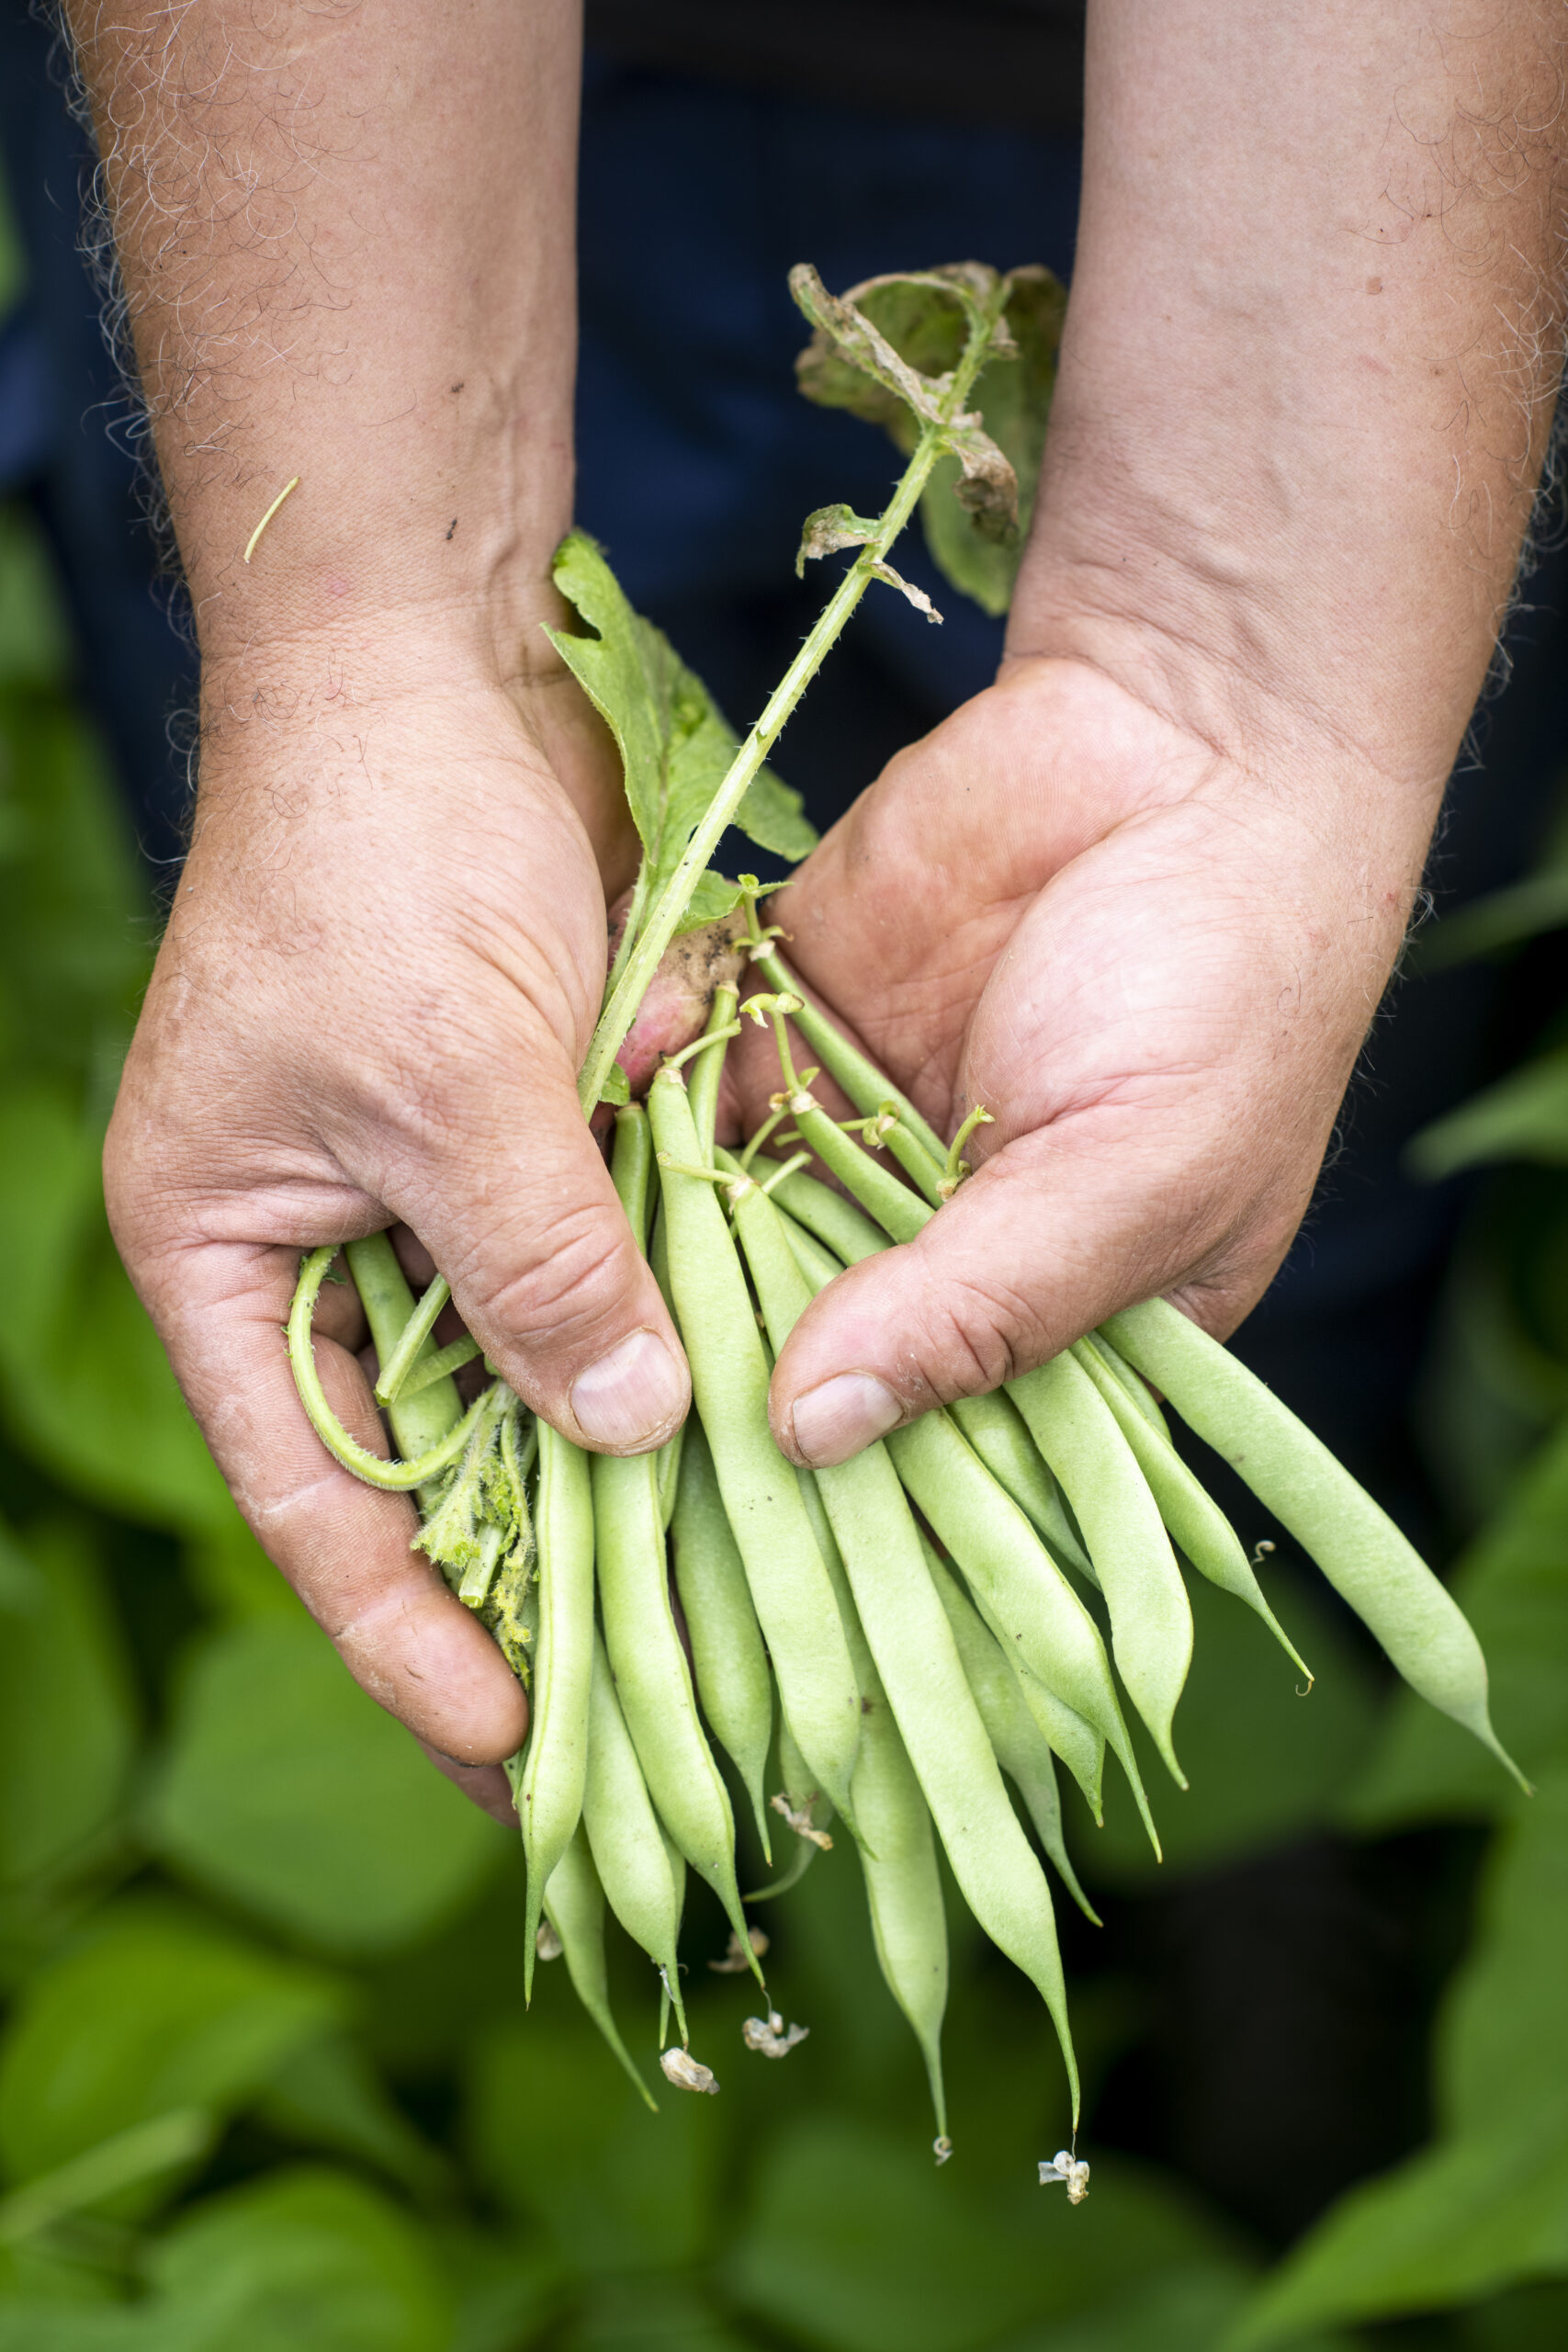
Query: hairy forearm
x,y
345,237
1312,356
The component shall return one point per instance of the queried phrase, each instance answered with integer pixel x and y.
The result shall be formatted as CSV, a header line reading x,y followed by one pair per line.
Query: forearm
x,y
1310,366
347,250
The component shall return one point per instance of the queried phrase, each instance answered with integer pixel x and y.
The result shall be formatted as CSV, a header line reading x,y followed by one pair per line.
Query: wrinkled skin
x,y
1133,952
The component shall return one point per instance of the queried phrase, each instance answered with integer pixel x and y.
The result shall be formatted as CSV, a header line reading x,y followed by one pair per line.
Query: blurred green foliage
x,y
266,2080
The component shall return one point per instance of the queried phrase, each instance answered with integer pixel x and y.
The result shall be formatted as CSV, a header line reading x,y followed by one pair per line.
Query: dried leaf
x,y
829,528
917,596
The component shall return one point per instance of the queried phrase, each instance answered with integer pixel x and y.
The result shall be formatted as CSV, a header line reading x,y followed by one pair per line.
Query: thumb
x,y
1044,1241
510,1196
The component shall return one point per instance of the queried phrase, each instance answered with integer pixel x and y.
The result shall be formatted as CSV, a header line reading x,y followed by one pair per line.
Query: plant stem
x,y
631,985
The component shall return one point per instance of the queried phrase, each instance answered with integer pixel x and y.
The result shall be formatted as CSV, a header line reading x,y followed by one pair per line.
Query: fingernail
x,y
840,1417
628,1400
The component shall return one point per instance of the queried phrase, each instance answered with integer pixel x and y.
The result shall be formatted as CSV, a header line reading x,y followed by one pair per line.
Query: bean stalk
x,y
663,920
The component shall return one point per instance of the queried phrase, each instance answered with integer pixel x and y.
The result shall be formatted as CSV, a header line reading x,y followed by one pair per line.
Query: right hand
x,y
383,966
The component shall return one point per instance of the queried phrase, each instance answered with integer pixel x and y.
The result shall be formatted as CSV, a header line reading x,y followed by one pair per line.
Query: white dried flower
x,y
687,2073
546,1943
768,2037
1065,2166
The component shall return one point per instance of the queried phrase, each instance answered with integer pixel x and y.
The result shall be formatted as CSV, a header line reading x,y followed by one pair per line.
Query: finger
x,y
344,1546
1047,1238
485,1785
510,1194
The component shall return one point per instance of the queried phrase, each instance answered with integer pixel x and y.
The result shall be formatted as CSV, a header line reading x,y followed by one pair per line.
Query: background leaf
x,y
67,1717
288,1790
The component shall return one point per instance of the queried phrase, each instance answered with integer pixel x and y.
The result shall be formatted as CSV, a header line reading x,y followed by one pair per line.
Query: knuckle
x,y
567,1288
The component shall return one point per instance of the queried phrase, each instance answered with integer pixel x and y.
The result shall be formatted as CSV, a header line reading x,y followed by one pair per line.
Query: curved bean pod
x,y
391,1477
908,1633
829,1217
1195,1520
625,1836
1365,1559
653,1681
707,1072
574,1906
1021,1748
790,1588
555,1766
1151,1618
727,1656
670,1452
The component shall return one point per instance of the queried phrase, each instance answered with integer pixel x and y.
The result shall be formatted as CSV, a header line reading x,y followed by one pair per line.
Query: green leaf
x,y
1489,2202
155,2009
326,2094
287,1789
713,899
676,746
1513,1585
304,2260
559,2135
858,2243
617,1087
108,1419
1265,1763
1524,1116
67,1720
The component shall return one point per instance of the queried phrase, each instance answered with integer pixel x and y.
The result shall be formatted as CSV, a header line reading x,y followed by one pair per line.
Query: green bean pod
x,y
900,1213
708,1071
1021,1748
423,1419
1021,1592
1151,1618
727,1656
669,1981
893,1837
625,1835
993,1424
1365,1559
1137,1388
653,1681
908,1633
1194,1519
790,1590
670,1452
867,1086
997,1431
829,1217
549,1793
801,1803
574,1906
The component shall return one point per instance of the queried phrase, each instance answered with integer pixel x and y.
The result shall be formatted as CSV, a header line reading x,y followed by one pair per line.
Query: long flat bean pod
x,y
574,1906
1151,1619
893,1837
549,1794
1022,1748
625,1835
1191,1515
1022,1593
653,1681
1355,1542
727,1656
912,1644
1137,1388
789,1584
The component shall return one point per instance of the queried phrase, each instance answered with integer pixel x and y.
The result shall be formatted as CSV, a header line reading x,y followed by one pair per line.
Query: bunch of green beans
x,y
892,1641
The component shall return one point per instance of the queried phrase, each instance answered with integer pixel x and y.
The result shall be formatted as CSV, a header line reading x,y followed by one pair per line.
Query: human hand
x,y
383,966
1154,963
